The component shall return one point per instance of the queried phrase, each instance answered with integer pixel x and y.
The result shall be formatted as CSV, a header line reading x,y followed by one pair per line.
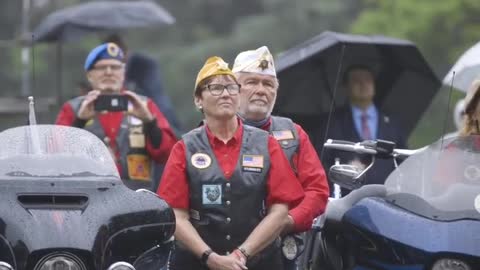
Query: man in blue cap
x,y
137,136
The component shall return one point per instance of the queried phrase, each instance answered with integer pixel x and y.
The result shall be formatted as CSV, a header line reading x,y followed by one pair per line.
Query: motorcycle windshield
x,y
441,182
41,151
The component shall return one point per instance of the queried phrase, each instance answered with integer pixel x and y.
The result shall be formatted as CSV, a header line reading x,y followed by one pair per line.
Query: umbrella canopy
x,y
405,84
74,22
467,69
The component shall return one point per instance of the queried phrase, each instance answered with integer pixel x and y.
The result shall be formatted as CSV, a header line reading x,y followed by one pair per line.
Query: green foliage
x,y
280,25
442,30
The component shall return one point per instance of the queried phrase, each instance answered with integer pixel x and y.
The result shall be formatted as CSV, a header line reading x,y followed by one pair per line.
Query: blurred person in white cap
x,y
471,124
454,164
458,118
255,71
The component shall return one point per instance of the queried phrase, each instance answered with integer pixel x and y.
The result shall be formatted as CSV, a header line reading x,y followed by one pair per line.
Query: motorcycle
x,y
425,217
63,206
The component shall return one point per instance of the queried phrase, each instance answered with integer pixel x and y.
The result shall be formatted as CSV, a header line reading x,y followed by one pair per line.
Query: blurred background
x,y
51,71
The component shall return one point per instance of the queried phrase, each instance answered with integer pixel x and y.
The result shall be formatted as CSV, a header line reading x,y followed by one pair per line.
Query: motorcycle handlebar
x,y
369,147
349,147
340,142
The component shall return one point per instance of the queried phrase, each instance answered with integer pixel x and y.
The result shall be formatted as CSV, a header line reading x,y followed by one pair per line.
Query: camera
x,y
111,103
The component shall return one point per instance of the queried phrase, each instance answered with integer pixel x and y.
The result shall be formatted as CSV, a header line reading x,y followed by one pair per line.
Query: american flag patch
x,y
254,161
281,135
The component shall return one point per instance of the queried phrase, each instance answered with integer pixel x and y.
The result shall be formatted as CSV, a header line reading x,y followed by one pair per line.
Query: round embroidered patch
x,y
289,247
201,160
113,49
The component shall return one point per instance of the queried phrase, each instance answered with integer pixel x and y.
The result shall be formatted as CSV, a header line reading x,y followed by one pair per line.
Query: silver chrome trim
x,y
51,258
6,266
117,264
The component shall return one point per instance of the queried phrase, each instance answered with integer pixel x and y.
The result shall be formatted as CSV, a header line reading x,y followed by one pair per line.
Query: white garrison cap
x,y
256,61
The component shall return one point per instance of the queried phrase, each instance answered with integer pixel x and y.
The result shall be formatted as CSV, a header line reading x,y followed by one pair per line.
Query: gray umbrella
x,y
405,84
73,22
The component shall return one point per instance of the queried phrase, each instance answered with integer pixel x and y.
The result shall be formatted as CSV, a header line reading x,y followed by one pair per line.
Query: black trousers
x,y
183,259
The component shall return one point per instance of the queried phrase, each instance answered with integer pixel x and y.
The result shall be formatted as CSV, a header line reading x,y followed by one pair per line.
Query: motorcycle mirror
x,y
347,176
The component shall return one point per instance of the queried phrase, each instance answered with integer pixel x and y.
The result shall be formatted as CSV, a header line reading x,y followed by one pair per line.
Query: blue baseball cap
x,y
104,51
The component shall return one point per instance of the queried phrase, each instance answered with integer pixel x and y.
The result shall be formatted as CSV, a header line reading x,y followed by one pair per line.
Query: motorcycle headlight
x,y
5,266
60,261
121,266
450,264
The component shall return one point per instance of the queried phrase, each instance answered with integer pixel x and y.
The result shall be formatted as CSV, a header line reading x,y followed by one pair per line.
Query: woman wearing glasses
x,y
223,182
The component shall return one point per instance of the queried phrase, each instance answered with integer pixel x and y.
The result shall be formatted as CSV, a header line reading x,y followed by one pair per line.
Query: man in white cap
x,y
255,72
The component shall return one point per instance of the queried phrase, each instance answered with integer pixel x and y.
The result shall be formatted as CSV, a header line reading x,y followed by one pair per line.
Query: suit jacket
x,y
342,127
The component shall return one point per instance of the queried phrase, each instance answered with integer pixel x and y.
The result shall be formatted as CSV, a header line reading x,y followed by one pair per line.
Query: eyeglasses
x,y
217,89
106,67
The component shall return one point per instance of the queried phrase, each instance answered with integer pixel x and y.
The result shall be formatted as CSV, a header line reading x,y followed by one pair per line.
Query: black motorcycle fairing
x,y
374,227
113,212
371,235
6,251
155,258
329,246
337,208
137,241
428,216
326,252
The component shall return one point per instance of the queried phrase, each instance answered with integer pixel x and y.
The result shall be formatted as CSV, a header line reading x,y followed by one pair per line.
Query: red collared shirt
x,y
281,183
311,175
110,122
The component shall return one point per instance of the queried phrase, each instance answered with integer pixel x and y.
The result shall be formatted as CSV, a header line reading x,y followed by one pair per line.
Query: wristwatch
x,y
205,256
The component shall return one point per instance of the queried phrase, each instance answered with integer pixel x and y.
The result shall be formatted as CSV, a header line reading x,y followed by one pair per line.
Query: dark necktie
x,y
366,133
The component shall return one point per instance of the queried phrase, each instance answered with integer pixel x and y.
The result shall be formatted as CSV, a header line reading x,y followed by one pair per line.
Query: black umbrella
x,y
73,22
405,84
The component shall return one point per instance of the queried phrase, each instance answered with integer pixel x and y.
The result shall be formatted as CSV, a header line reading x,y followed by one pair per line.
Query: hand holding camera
x,y
95,102
87,110
139,108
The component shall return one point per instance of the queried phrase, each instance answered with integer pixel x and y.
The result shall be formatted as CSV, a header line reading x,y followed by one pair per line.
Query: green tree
x,y
279,24
441,29
203,28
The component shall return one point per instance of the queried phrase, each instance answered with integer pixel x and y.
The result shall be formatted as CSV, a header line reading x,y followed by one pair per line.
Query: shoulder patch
x,y
281,135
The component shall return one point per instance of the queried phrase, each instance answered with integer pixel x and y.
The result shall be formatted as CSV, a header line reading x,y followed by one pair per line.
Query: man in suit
x,y
362,120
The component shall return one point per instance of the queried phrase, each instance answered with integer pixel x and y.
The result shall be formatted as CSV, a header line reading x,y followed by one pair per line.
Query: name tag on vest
x,y
252,163
281,135
211,194
136,140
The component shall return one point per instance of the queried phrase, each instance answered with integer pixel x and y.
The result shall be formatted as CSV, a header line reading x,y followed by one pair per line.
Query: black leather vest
x,y
225,212
284,131
121,141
